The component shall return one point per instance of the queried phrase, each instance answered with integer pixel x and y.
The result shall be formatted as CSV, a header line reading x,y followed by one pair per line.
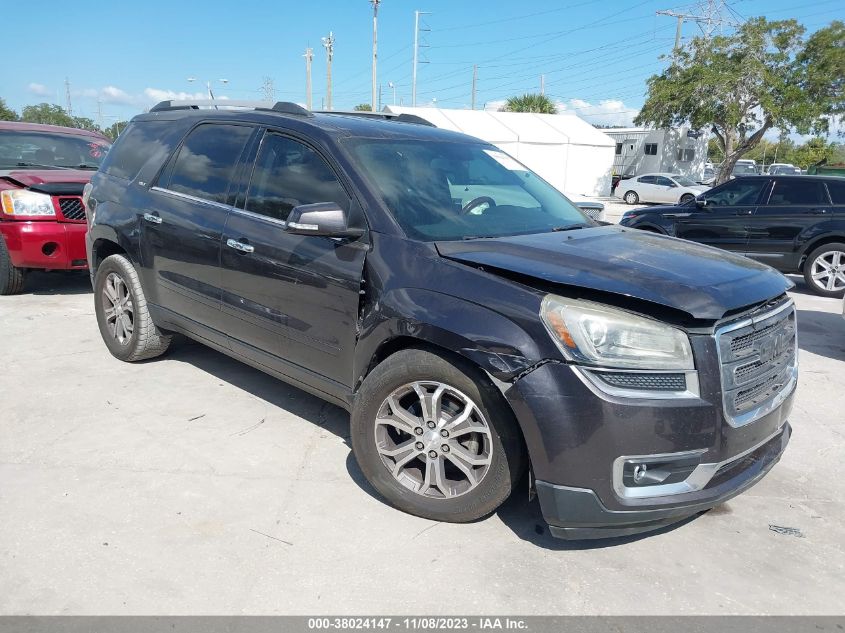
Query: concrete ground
x,y
194,484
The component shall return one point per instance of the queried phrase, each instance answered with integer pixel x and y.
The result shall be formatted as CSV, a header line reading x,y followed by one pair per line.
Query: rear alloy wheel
x,y
631,197
435,438
687,197
121,307
824,270
11,278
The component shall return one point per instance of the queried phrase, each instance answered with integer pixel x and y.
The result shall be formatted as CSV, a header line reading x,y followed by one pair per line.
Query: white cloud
x,y
605,112
154,95
113,94
39,89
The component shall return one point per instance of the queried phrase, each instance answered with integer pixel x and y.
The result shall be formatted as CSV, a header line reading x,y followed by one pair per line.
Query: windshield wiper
x,y
571,227
40,165
80,166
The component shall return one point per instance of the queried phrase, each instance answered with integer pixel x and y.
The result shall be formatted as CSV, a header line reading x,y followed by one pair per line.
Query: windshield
x,y
50,150
683,181
450,191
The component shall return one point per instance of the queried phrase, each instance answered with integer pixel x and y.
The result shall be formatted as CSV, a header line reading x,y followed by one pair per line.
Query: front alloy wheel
x,y
824,270
433,439
118,308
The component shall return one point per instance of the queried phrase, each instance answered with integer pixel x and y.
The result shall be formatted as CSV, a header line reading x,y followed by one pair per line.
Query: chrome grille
x,y
759,363
72,208
592,212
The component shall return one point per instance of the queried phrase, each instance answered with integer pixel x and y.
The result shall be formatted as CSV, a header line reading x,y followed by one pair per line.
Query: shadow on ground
x,y
822,333
58,282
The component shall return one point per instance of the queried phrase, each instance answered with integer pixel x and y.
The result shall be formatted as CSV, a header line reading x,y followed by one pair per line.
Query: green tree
x,y
741,85
115,128
6,113
363,107
46,113
84,123
538,103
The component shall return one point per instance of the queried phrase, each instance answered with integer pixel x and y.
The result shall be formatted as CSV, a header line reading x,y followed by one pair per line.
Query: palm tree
x,y
538,103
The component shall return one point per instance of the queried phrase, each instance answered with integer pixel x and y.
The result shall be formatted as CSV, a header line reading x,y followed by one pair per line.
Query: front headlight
x,y
20,202
598,335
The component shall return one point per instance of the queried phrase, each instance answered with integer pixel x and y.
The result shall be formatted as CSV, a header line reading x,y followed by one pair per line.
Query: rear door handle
x,y
240,246
149,217
817,211
745,212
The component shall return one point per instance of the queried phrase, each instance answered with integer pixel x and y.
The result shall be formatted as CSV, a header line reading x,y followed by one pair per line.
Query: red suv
x,y
43,169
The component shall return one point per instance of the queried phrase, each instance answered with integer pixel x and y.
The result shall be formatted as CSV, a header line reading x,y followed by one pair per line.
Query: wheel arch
x,y
827,238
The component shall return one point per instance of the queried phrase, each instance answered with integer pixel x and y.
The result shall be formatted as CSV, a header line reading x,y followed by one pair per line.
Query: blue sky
x,y
596,54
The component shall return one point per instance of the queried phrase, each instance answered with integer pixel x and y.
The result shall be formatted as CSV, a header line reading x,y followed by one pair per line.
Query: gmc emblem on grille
x,y
776,347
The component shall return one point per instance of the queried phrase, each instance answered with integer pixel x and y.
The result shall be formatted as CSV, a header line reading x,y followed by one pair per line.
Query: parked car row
x,y
657,188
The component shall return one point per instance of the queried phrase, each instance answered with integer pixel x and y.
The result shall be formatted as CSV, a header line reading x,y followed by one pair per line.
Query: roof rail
x,y
283,107
385,116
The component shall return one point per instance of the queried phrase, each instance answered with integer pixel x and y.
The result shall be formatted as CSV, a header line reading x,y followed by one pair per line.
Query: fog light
x,y
50,248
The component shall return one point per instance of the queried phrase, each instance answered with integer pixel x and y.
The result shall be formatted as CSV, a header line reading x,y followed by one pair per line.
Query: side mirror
x,y
700,202
322,218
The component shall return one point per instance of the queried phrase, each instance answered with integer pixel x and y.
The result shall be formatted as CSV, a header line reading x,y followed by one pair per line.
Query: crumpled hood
x,y
30,177
702,281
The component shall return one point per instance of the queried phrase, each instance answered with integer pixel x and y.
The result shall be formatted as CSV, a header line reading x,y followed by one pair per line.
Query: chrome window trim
x,y
591,375
755,414
697,480
186,196
258,216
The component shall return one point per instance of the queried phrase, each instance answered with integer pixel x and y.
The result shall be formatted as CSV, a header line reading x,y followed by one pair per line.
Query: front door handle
x,y
745,212
149,217
240,246
817,211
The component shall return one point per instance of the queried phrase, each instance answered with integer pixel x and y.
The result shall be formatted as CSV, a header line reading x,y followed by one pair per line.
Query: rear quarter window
x,y
141,142
837,190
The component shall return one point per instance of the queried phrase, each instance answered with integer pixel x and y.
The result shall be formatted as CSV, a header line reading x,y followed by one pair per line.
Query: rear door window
x,y
794,191
206,162
647,180
288,174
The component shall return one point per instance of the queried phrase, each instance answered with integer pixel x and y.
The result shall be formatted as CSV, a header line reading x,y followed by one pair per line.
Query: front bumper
x,y
575,437
46,244
578,513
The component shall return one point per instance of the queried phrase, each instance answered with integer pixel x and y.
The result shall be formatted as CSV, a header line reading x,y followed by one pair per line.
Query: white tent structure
x,y
565,150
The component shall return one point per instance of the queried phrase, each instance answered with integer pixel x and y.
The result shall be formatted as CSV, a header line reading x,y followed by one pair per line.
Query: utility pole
x,y
375,4
417,15
542,84
67,97
379,100
390,84
99,112
309,55
328,44
474,82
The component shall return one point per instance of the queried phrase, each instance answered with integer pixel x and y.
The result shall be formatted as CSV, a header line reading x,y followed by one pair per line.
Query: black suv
x,y
793,223
469,316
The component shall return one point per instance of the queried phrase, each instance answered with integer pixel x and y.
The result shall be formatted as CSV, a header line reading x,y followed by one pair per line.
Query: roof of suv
x,y
363,125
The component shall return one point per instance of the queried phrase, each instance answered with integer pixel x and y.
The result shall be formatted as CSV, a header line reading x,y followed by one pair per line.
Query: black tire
x,y
686,198
634,198
11,278
507,457
818,287
145,340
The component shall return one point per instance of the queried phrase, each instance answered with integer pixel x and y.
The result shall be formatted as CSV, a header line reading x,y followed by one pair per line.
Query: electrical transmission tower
x,y
268,92
417,46
328,44
67,97
709,16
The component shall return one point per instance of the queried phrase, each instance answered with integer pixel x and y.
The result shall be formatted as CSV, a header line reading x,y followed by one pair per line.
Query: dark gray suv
x,y
472,319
